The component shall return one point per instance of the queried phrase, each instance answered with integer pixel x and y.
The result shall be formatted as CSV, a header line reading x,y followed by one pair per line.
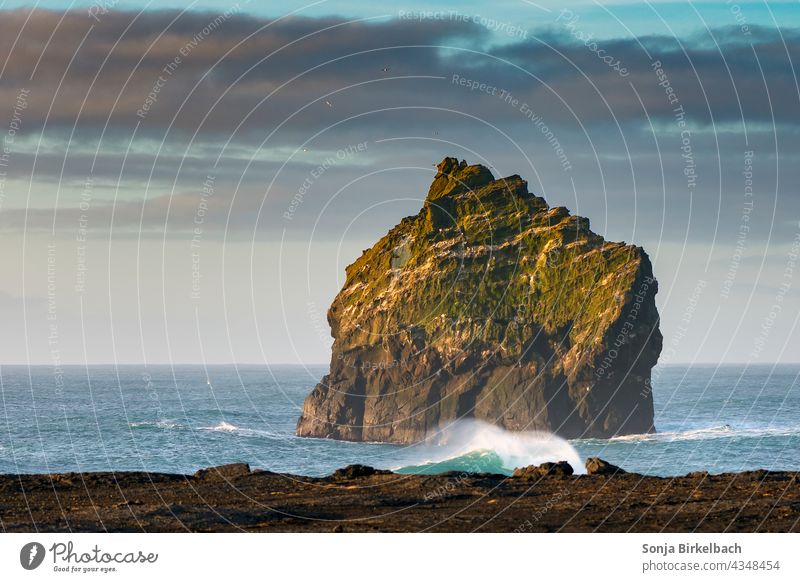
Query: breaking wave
x,y
161,423
236,430
481,461
724,431
477,447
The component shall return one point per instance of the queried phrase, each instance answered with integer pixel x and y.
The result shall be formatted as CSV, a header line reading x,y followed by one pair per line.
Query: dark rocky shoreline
x,y
360,499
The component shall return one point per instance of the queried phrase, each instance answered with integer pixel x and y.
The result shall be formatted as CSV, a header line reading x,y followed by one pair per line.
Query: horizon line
x,y
299,364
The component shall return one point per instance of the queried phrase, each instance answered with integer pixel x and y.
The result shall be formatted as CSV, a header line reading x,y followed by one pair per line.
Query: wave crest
x,y
161,423
227,427
724,431
478,447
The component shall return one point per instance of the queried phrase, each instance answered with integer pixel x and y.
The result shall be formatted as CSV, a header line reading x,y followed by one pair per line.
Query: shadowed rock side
x,y
489,304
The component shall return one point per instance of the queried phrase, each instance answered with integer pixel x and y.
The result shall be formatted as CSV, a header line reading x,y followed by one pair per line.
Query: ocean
x,y
182,418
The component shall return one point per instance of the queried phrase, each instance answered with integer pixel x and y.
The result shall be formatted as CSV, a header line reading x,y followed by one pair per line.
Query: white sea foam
x,y
161,423
222,427
227,427
708,433
468,437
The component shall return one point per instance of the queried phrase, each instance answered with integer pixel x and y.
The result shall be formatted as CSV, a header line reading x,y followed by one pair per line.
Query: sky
x,y
187,183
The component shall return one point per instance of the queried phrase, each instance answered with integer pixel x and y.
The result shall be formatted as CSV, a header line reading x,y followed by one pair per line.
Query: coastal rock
x,y
355,471
560,468
492,305
597,466
224,471
280,502
697,474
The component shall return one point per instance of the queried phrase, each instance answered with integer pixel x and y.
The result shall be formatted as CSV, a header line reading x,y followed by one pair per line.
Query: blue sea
x,y
182,418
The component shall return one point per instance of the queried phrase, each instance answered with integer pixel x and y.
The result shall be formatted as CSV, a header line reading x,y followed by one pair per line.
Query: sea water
x,y
178,419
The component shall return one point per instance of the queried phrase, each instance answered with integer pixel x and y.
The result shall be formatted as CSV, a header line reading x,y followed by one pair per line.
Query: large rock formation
x,y
489,304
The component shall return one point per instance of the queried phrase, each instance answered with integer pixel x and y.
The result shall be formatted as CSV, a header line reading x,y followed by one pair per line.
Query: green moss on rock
x,y
489,303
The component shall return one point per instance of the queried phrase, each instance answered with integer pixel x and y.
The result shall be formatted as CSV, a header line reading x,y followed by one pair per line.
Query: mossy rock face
x,y
489,304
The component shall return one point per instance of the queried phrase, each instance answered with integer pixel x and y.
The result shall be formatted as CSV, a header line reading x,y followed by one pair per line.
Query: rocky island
x,y
489,304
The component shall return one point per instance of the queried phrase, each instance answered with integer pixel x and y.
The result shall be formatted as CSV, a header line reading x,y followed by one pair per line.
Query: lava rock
x,y
489,304
697,474
226,472
356,471
597,466
561,468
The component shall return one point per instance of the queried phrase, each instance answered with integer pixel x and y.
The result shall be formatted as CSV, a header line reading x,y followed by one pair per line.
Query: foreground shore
x,y
359,499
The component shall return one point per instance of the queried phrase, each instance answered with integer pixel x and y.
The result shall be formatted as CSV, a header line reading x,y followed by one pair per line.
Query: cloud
x,y
208,72
91,73
152,100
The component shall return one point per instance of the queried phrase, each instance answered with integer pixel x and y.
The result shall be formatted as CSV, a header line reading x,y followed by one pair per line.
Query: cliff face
x,y
489,304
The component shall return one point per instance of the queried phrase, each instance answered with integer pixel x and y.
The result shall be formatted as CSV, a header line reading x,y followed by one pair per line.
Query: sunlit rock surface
x,y
489,304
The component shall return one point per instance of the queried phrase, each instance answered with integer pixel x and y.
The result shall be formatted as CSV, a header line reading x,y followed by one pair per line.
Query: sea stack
x,y
489,304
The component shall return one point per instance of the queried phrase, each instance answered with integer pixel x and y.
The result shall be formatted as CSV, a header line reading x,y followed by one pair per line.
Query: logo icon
x,y
31,555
